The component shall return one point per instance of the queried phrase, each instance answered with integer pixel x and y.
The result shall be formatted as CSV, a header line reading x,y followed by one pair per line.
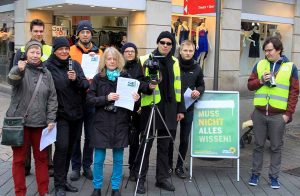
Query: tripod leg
x,y
145,146
170,135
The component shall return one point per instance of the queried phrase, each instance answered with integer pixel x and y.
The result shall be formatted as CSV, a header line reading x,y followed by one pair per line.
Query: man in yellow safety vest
x,y
166,94
275,82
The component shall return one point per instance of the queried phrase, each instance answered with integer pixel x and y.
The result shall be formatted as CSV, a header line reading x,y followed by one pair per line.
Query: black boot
x,y
70,188
115,192
96,192
141,188
60,192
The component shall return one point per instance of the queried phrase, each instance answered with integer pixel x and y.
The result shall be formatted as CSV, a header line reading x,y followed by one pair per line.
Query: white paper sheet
x,y
90,65
188,100
125,88
47,137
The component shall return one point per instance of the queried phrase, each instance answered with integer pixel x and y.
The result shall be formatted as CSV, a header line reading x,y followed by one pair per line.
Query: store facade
x,y
142,20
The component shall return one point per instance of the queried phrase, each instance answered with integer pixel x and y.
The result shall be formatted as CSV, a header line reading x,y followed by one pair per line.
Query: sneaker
x,y
170,171
274,182
253,181
180,173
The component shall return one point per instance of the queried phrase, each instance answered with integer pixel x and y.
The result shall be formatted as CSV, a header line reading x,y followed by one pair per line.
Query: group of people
x,y
67,99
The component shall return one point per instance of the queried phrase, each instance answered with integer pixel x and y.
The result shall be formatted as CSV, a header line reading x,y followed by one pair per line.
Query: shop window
x,y
194,29
253,35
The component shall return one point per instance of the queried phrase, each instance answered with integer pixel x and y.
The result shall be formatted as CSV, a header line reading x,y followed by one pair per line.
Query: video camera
x,y
153,67
271,83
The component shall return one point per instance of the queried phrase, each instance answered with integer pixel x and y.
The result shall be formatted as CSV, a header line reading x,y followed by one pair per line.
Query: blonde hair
x,y
187,43
116,54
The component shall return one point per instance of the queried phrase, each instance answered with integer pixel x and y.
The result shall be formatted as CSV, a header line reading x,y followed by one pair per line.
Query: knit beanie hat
x,y
165,34
60,42
33,43
127,45
84,25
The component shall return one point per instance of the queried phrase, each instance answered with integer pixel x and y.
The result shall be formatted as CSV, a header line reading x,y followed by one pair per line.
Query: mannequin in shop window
x,y
183,32
201,44
277,34
254,45
245,36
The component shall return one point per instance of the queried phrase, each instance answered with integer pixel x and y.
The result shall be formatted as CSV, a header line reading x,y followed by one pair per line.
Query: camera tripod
x,y
146,138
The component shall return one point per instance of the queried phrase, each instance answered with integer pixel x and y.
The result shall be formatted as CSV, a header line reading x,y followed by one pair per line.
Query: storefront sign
x,y
57,31
199,6
215,131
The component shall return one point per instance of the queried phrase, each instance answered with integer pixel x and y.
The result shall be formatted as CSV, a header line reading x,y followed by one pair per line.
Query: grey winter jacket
x,y
44,107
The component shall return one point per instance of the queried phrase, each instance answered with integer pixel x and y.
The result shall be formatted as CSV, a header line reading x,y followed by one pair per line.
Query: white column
x,y
23,17
230,45
144,27
296,35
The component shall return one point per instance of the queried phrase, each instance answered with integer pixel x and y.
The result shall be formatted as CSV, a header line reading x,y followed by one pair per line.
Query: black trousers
x,y
67,132
185,130
134,141
162,165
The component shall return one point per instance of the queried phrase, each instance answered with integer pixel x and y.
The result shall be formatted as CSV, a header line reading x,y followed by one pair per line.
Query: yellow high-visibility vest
x,y
277,96
148,99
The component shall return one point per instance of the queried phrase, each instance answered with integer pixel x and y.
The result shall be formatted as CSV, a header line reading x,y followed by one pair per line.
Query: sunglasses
x,y
165,43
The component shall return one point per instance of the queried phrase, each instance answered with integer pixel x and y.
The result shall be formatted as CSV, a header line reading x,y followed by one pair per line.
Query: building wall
x,y
144,27
296,36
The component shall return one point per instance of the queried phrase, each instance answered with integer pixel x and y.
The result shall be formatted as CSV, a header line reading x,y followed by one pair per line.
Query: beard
x,y
85,42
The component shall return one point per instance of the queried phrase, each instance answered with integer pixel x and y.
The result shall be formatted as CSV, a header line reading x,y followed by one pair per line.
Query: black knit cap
x,y
60,42
127,45
165,34
84,25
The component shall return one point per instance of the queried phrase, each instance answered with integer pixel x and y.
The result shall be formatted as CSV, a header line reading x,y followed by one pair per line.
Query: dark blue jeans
x,y
84,159
185,130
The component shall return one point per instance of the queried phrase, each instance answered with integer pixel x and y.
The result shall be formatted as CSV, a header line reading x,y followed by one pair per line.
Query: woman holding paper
x,y
111,123
39,114
71,85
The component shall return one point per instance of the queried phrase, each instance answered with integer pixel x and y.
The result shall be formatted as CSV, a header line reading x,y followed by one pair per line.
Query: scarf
x,y
186,65
83,47
166,85
130,64
112,75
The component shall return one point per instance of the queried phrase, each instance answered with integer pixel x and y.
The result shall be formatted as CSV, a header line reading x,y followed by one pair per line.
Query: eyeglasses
x,y
165,43
269,50
129,51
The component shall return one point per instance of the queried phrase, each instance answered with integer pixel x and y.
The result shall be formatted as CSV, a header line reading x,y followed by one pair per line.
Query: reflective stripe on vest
x,y
148,99
277,96
47,50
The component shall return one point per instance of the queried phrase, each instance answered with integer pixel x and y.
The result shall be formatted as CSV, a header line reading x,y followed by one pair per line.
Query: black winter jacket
x,y
191,76
70,94
110,127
